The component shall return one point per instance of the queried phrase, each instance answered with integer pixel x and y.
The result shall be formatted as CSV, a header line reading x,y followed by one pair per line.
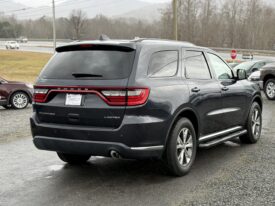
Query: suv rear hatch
x,y
86,85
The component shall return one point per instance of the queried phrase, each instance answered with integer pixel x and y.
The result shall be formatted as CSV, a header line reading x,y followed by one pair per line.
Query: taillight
x,y
129,97
40,95
113,97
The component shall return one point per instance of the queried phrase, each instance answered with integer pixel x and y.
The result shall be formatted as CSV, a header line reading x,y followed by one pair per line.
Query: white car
x,y
12,45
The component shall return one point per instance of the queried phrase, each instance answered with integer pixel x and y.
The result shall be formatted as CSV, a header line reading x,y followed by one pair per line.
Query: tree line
x,y
247,24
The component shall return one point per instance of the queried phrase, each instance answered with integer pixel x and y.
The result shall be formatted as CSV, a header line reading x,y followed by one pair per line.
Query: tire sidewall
x,y
251,136
171,150
265,88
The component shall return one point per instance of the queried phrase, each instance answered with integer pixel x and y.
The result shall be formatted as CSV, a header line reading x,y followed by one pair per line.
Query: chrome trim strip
x,y
226,138
223,111
220,133
147,148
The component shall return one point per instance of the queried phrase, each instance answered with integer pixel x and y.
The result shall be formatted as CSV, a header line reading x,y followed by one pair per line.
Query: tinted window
x,y
163,64
196,66
221,70
102,63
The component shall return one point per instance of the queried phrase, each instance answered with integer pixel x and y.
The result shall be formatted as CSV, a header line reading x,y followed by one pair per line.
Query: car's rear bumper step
x,y
95,148
223,139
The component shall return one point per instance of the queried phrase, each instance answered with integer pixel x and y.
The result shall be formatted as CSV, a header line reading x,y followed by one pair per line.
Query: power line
x,y
48,12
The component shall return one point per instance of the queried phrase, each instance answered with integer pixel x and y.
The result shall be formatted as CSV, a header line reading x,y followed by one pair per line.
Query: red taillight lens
x,y
40,95
129,97
113,97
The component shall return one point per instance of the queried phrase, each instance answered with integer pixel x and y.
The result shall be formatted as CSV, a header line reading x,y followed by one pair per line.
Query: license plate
x,y
73,99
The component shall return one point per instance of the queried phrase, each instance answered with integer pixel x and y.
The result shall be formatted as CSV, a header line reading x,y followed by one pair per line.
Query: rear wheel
x,y
73,159
253,125
181,148
19,100
269,89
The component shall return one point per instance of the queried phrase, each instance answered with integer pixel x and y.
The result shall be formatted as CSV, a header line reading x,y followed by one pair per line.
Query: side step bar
x,y
221,140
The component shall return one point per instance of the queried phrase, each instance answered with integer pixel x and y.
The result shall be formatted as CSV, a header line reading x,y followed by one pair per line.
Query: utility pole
x,y
175,19
54,30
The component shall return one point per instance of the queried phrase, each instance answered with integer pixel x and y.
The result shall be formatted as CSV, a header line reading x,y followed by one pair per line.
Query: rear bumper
x,y
259,82
133,141
84,147
3,102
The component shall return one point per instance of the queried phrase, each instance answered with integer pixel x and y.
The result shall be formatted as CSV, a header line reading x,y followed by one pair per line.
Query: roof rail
x,y
137,39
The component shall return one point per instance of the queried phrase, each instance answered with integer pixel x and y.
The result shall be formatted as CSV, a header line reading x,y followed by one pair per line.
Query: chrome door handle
x,y
225,89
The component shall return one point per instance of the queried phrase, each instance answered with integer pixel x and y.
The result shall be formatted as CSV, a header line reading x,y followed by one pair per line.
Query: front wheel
x,y
253,125
181,148
269,89
73,159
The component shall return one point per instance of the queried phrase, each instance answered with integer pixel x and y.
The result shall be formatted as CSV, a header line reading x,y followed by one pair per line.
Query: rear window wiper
x,y
80,75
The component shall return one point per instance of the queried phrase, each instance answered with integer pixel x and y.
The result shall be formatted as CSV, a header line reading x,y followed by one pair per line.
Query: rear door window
x,y
163,64
196,66
91,64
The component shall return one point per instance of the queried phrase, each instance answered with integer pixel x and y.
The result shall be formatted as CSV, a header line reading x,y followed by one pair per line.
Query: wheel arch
x,y
259,100
267,77
188,113
19,90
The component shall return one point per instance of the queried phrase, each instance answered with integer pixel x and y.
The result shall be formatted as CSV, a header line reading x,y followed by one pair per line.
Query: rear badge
x,y
73,99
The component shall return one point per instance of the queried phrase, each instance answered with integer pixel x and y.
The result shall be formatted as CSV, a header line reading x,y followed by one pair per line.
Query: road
x,y
229,174
46,47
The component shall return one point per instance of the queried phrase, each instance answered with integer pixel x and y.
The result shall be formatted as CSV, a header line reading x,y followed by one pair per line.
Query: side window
x,y
221,70
163,64
196,66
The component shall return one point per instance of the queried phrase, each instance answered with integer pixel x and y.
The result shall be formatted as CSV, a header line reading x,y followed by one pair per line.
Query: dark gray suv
x,y
141,99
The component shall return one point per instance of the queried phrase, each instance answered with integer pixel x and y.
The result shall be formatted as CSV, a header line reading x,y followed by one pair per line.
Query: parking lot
x,y
231,173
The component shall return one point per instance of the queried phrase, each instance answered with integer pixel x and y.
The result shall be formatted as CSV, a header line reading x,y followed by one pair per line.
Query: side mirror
x,y
241,74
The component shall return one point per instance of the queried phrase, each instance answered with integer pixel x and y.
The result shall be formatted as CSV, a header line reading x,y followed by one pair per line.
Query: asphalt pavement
x,y
229,174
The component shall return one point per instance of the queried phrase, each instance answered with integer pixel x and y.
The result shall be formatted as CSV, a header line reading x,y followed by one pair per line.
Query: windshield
x,y
91,64
246,66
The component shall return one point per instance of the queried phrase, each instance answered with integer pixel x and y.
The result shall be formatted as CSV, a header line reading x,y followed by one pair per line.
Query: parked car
x,y
265,77
252,66
12,45
15,95
141,99
22,39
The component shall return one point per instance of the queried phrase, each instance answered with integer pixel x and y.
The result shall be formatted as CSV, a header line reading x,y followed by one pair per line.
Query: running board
x,y
222,140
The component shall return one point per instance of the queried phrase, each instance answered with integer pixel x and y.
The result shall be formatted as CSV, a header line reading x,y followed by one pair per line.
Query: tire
x,y
19,100
253,125
269,89
181,148
73,159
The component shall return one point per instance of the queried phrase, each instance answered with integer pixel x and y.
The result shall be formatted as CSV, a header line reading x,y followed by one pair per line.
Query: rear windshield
x,y
90,64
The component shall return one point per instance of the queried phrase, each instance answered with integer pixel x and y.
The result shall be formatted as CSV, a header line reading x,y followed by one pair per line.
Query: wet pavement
x,y
229,174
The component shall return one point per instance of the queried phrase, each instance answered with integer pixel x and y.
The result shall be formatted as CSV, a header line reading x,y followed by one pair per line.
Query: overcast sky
x,y
35,3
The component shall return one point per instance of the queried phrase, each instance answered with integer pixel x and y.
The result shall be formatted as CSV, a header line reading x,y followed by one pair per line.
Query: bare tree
x,y
78,20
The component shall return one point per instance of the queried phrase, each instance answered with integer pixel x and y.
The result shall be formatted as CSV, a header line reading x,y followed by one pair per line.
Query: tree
x,y
78,20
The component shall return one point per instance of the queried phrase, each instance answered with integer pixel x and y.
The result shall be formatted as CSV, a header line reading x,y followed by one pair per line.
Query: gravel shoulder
x,y
14,124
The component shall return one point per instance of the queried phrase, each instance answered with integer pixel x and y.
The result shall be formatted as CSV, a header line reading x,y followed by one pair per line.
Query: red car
x,y
16,95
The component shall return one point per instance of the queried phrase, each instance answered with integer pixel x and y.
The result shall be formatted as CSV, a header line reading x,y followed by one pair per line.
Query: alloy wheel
x,y
256,123
20,100
184,146
270,90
